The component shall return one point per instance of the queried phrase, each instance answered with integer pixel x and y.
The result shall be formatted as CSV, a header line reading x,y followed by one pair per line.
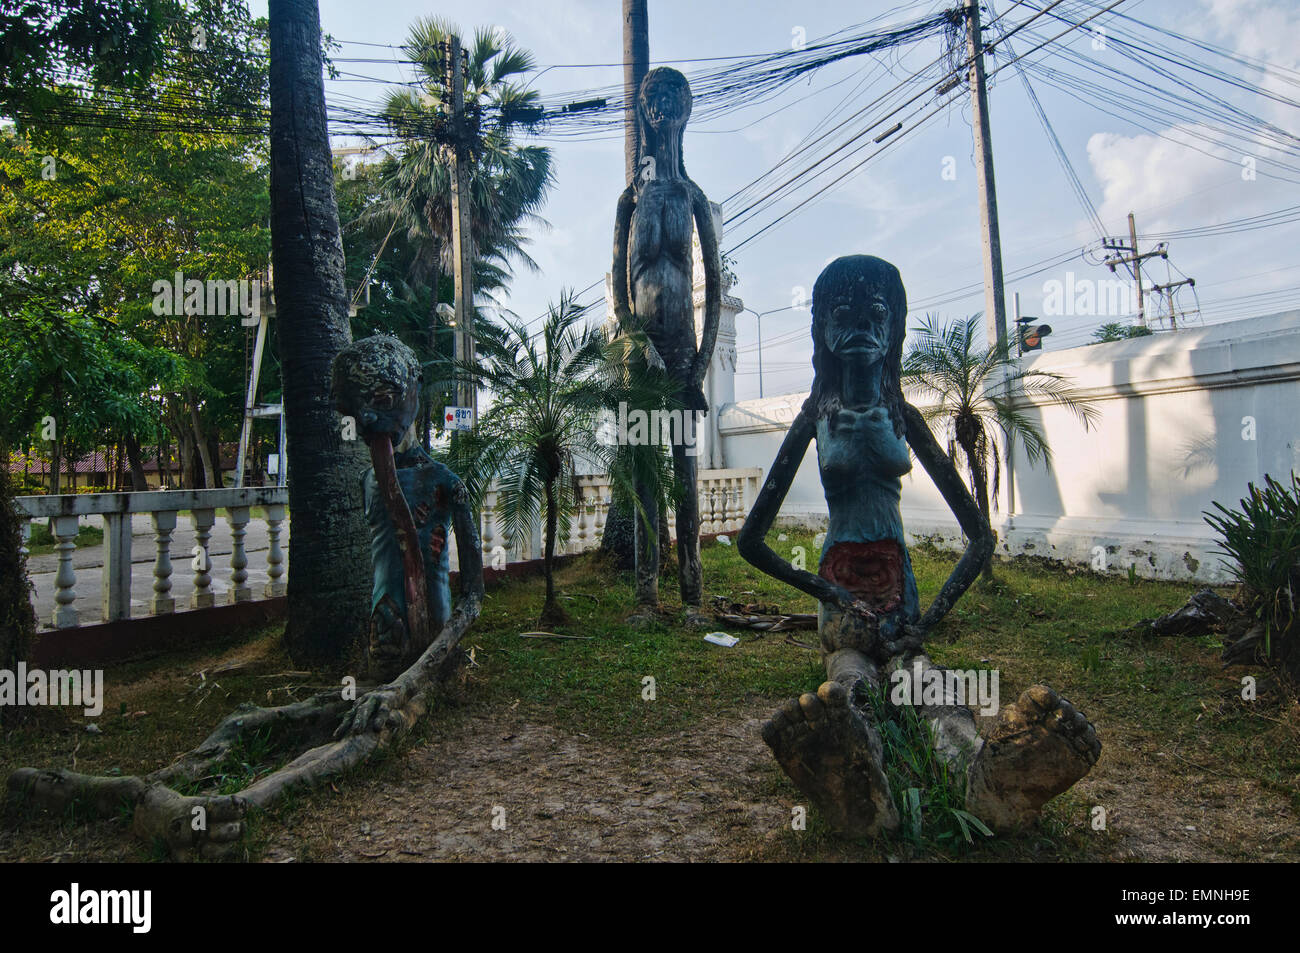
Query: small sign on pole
x,y
458,418
272,464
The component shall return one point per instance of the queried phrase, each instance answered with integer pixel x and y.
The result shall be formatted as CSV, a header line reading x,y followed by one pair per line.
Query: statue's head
x,y
859,319
663,106
377,382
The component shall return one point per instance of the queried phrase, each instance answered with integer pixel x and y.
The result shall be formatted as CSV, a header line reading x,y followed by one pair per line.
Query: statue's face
x,y
666,102
857,325
377,382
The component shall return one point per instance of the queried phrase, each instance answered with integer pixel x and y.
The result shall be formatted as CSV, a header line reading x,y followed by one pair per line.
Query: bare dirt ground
x,y
713,793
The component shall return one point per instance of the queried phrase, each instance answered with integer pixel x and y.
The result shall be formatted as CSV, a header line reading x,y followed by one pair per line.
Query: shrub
x,y
1263,540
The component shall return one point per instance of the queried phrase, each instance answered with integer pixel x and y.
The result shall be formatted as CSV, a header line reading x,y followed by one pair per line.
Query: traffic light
x,y
1031,335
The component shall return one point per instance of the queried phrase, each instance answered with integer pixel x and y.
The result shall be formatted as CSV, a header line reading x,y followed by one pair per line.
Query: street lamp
x,y
759,316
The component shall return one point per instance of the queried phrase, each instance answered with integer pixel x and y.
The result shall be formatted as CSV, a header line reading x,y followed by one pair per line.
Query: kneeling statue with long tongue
x,y
410,500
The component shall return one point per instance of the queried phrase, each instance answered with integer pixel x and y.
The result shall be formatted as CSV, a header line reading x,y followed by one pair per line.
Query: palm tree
x,y
508,181
552,391
974,391
328,599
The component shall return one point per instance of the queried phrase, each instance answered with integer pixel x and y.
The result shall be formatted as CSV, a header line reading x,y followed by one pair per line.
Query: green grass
x,y
42,540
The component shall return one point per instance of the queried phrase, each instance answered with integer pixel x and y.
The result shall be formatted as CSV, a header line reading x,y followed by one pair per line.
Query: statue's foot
x,y
825,747
695,618
1040,747
192,828
643,616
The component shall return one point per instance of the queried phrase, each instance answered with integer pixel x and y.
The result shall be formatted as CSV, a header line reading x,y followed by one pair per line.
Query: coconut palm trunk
x,y
328,583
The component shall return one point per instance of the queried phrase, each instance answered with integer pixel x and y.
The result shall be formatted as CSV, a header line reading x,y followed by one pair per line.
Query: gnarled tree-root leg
x,y
345,735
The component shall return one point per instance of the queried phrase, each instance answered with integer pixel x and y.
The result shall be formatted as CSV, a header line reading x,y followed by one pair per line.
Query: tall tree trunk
x,y
201,443
214,455
636,62
17,620
139,482
329,591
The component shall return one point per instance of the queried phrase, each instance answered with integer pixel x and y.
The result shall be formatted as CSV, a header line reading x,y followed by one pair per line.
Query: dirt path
x,y
690,796
713,793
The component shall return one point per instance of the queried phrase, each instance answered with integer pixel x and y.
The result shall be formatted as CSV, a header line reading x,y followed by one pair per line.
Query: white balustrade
x,y
65,513
724,498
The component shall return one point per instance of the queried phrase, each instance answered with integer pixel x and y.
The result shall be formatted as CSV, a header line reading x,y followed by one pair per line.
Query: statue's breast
x,y
857,448
662,225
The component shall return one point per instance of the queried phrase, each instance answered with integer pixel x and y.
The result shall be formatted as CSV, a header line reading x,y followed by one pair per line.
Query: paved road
x,y
88,563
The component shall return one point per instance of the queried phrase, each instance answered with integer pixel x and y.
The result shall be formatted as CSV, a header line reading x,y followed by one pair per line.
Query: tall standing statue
x,y
411,501
869,617
653,287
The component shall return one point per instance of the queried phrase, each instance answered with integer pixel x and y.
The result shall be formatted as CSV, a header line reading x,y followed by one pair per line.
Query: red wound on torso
x,y
871,571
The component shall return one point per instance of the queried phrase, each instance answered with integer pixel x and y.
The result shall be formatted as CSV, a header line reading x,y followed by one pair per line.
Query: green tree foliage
x,y
1115,331
93,216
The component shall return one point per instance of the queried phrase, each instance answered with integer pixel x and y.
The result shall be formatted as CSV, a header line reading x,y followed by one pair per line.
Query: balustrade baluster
x,y
274,555
201,597
164,522
240,590
64,530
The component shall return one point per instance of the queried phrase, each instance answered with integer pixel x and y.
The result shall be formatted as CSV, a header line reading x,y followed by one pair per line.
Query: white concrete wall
x,y
1173,435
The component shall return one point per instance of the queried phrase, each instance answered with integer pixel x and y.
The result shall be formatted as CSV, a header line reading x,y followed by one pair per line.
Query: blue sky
x,y
899,206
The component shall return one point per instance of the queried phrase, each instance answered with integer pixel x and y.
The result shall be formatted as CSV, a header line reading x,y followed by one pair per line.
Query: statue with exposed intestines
x,y
870,620
410,500
653,289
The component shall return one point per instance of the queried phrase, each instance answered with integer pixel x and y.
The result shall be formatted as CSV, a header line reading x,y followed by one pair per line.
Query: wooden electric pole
x,y
636,63
1130,256
462,238
995,306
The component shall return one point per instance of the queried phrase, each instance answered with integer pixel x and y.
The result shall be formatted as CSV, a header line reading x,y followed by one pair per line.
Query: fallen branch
x,y
553,635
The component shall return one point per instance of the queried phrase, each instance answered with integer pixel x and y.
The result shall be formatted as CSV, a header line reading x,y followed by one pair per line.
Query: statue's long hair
x,y
840,276
647,138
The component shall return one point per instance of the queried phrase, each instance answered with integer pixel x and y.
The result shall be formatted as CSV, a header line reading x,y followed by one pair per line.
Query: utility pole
x,y
1137,267
1168,291
1128,254
995,306
461,237
636,62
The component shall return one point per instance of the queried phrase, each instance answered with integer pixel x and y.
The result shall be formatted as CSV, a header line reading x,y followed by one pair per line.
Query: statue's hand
x,y
653,359
859,608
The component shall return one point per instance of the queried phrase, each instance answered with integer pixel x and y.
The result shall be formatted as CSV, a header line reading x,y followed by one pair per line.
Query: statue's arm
x,y
751,540
712,284
622,228
979,537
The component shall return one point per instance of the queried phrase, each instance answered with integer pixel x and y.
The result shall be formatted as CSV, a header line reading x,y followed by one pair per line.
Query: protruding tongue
x,y
417,607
